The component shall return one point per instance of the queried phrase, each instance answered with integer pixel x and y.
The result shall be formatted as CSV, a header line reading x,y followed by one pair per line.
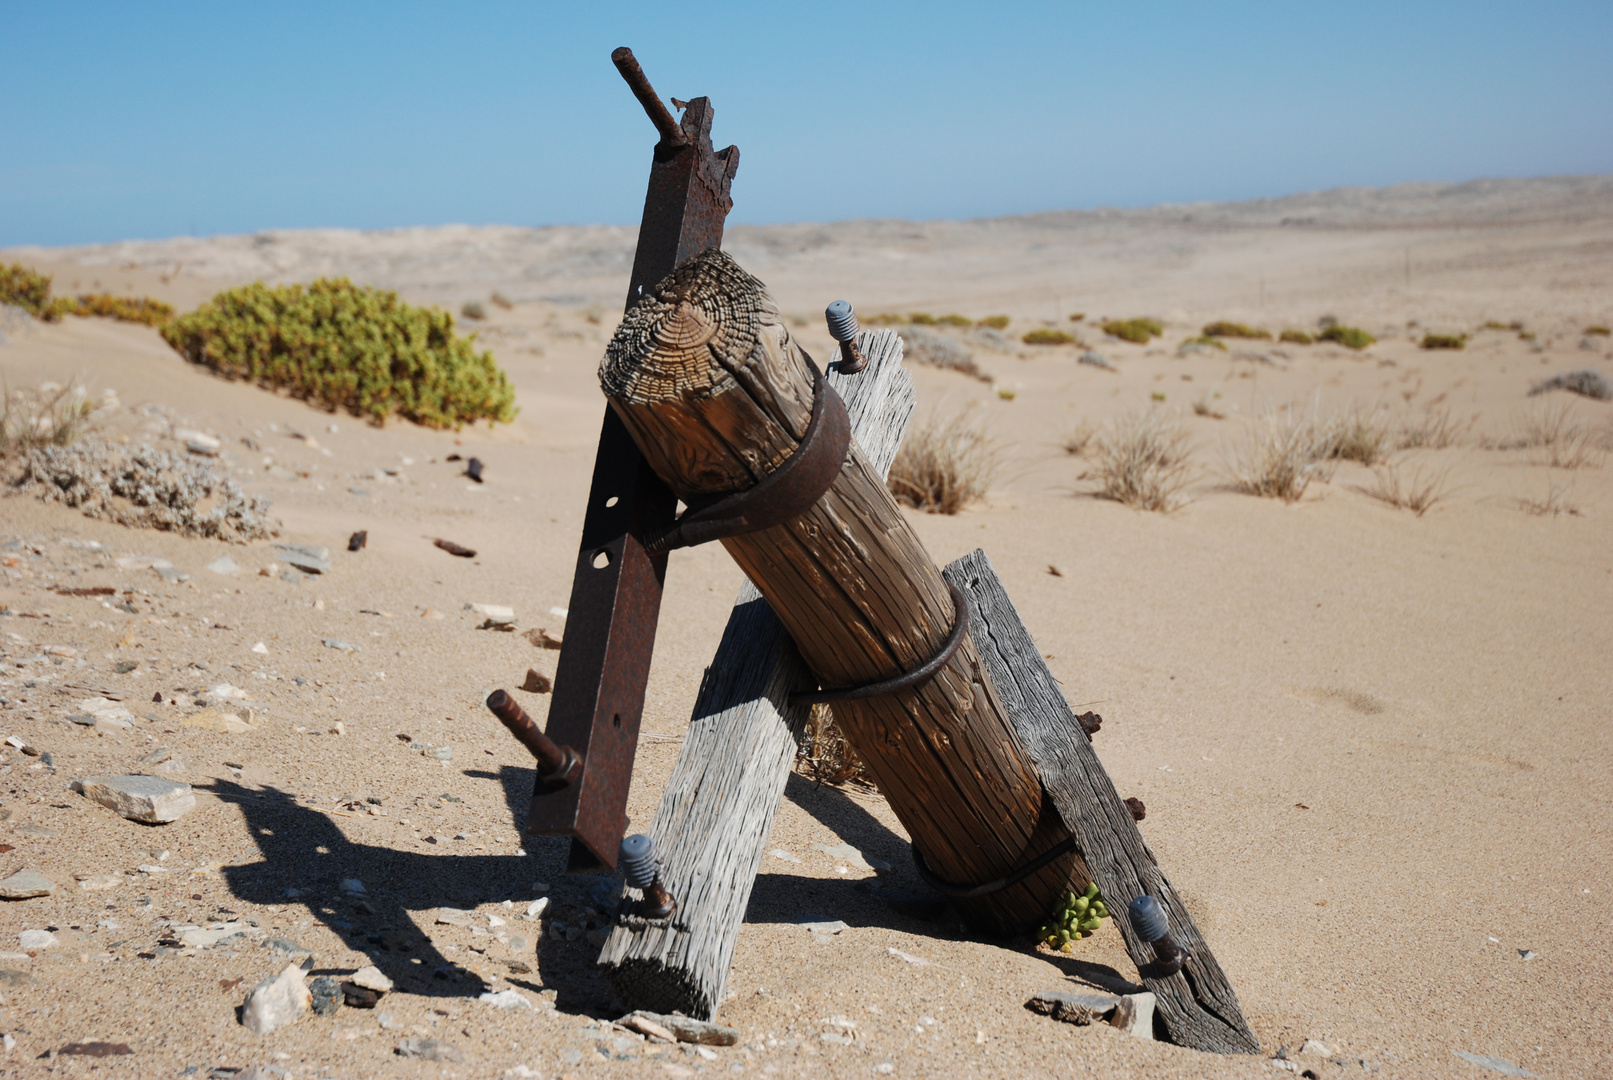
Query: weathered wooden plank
x,y
718,807
718,394
1197,1005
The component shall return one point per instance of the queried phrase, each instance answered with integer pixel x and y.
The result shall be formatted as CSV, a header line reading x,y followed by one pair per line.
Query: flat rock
x,y
276,1001
506,999
1073,1008
225,566
1135,1016
32,940
98,882
686,1029
222,721
820,924
164,759
371,978
43,832
25,884
537,682
287,946
1096,359
151,799
1494,1064
315,560
430,1050
455,917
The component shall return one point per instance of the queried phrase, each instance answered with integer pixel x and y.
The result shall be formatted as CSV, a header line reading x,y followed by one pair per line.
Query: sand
x,y
1373,745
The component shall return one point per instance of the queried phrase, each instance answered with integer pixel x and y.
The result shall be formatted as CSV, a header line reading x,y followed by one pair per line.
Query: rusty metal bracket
x,y
616,587
788,491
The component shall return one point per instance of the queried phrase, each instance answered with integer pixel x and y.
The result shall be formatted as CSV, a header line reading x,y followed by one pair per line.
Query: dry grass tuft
x,y
1281,453
1078,438
1142,461
944,466
1419,493
1205,406
1436,429
1557,437
826,756
50,415
1357,434
1552,504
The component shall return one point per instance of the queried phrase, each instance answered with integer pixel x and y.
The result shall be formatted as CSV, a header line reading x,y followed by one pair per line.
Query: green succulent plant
x,y
1074,918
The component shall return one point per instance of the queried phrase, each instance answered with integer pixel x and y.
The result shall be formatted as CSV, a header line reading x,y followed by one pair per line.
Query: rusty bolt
x,y
1138,810
843,328
1090,723
1149,920
642,868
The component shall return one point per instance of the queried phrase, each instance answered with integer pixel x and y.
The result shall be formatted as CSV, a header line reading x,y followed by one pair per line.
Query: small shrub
x,y
1351,337
1356,435
1141,460
1524,335
921,318
955,320
1236,330
996,322
1552,504
1138,331
1214,343
1044,335
142,310
1599,330
886,318
352,348
501,301
1586,383
1281,453
1078,316
1157,395
1006,394
935,349
944,466
1078,438
1203,406
1419,493
22,287
1491,324
1444,341
473,309
49,415
1296,337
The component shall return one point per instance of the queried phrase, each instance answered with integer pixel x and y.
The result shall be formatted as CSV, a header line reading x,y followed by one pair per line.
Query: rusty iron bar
x,y
557,765
616,585
639,83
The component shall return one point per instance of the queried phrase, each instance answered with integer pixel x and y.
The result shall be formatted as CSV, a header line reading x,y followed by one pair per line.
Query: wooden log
x,y
717,395
712,824
1197,1005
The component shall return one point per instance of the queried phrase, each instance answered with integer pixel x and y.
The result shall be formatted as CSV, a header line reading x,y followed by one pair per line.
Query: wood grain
x,y
1198,1005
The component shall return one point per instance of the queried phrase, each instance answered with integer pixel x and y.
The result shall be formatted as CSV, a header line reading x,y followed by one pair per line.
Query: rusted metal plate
x,y
616,591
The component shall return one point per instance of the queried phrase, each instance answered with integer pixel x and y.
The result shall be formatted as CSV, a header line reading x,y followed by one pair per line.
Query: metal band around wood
x,y
788,492
959,892
921,674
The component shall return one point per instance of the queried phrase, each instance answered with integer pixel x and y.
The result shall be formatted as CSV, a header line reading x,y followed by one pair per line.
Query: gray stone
x,y
25,884
1135,1016
437,753
1080,1009
1494,1064
276,1001
1527,954
164,759
430,1050
371,978
506,999
689,1030
225,566
1588,383
455,917
42,832
32,940
151,799
1095,359
822,924
287,946
325,994
332,643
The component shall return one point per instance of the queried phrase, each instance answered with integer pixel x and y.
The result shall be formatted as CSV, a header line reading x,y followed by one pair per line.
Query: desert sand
x,y
1374,745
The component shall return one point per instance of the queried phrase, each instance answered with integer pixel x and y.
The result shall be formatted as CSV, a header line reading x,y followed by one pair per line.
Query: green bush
x,y
1215,342
955,320
1138,331
1236,330
1296,337
996,322
23,288
1046,336
352,348
888,318
921,318
1350,337
1444,341
143,310
1078,316
1491,324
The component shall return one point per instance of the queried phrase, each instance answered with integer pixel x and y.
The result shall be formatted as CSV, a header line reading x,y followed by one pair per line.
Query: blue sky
x,y
124,121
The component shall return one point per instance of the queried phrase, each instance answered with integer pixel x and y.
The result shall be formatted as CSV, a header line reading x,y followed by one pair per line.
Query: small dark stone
x,y
96,1049
358,997
157,697
47,759
1138,810
123,667
327,995
357,541
473,469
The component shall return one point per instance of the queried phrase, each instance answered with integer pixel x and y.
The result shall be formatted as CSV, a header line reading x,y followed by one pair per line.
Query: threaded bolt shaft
x,y
843,328
1153,925
642,868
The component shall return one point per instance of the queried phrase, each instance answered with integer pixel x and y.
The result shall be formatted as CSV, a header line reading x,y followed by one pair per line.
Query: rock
x,y
780,853
455,917
1312,1048
908,958
341,646
687,1030
536,908
536,682
543,639
261,649
506,999
223,721
648,1027
1135,1016
98,882
430,1050
845,853
1527,954
495,612
358,997
151,799
287,946
353,887
437,753
25,884
1194,348
32,940
164,759
820,924
314,560
1095,359
371,978
1081,1009
358,540
225,566
44,832
1494,1064
325,996
95,1049
1588,383
276,1001
388,1022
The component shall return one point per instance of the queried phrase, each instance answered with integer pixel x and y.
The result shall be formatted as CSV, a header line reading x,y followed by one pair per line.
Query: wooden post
x,y
712,825
717,395
1197,1005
